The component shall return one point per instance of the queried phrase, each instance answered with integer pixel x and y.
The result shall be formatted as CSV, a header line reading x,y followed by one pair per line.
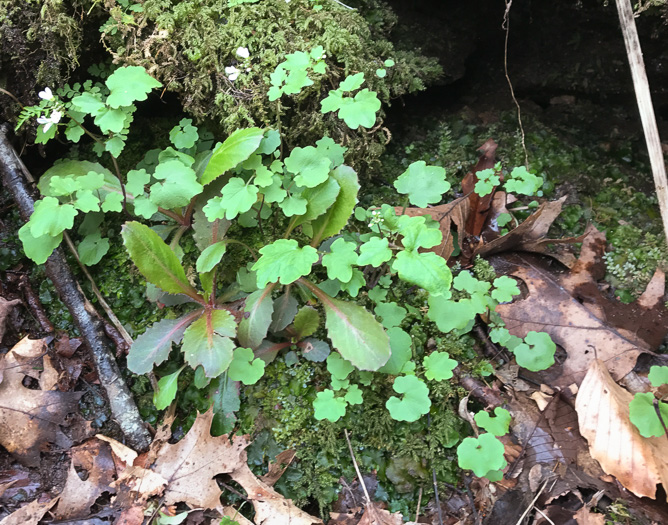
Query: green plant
x,y
648,414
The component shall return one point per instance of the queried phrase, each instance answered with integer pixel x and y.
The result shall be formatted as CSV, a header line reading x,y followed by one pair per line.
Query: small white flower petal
x,y
43,120
232,72
55,116
46,94
243,52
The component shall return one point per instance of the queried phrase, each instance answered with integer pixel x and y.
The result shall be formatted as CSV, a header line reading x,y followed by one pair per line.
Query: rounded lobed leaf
x,y
415,402
498,426
481,455
423,184
284,261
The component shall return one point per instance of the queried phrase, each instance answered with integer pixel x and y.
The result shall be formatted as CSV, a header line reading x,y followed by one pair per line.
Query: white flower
x,y
243,52
232,73
46,94
49,121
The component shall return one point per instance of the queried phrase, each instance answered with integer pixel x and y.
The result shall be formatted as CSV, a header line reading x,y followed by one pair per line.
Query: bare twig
x,y
357,469
533,502
417,512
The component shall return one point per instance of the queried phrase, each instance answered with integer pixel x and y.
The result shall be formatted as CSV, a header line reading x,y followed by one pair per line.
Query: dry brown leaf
x,y
233,513
190,465
5,308
278,467
480,206
125,454
31,514
586,517
603,414
29,418
374,515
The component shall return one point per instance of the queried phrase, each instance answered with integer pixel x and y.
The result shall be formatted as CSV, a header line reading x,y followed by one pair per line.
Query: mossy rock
x,y
187,45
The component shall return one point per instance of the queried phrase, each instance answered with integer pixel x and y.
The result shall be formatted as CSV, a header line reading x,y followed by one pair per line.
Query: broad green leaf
x,y
319,199
293,205
438,366
236,148
336,217
184,135
128,84
153,346
326,146
504,289
306,322
111,120
87,102
375,252
450,315
391,314
155,260
417,234
238,197
77,169
415,402
210,257
536,353
178,185
86,201
423,184
38,249
352,82
642,414
224,393
340,260
329,407
523,182
354,332
481,454
284,260
92,248
401,343
426,270
270,142
498,425
285,310
361,111
309,166
207,342
465,282
51,218
166,392
256,318
356,282
658,375
245,368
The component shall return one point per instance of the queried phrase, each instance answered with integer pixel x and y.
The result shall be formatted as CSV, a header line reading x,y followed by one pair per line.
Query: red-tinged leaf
x,y
480,206
207,342
257,317
154,345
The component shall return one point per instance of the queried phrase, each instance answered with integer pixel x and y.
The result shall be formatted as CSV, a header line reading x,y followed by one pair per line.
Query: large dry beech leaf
x,y
580,319
29,418
603,414
31,514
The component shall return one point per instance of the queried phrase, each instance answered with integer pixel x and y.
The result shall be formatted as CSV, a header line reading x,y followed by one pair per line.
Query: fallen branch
x,y
87,320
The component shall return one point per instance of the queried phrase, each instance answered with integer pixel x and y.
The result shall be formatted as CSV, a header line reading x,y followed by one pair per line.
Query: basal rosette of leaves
x,y
189,45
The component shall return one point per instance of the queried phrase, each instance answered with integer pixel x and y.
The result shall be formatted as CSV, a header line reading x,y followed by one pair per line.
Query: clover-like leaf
x,y
642,414
293,205
245,367
184,135
498,425
338,367
128,84
309,166
352,82
423,184
177,187
417,234
360,111
284,261
426,270
438,366
658,375
38,249
536,353
51,218
354,395
450,315
523,182
487,180
92,248
481,455
238,197
329,407
340,260
391,314
415,402
375,252
465,282
504,289
330,149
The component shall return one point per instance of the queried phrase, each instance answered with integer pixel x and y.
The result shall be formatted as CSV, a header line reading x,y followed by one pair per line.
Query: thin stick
x,y
506,26
417,512
544,516
533,502
644,98
357,469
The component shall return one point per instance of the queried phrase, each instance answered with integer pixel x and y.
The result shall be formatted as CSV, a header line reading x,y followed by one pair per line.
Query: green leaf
x,y
328,407
238,197
210,257
335,218
415,402
285,310
306,322
417,234
245,368
465,282
92,248
284,261
257,317
504,289
481,455
339,367
79,171
438,366
391,314
155,260
128,84
166,392
375,252
389,62
88,102
319,199
178,187
293,205
536,353
352,82
205,232
426,270
381,73
498,426
207,342
237,148
310,167
360,111
523,182
51,218
658,375
423,184
354,396
330,149
450,315
271,140
314,349
111,121
503,219
487,180
86,201
643,415
154,345
340,260
354,332
357,281
401,344
38,249
184,136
